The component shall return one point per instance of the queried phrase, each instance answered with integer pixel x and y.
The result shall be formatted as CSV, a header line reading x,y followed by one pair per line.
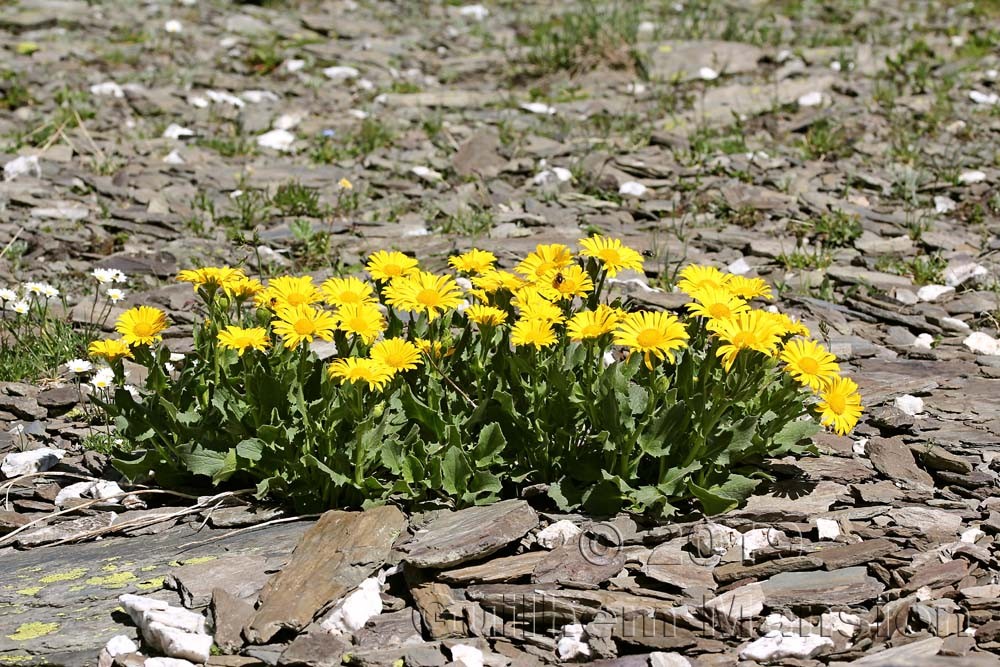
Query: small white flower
x,y
79,366
8,295
169,368
104,378
20,307
115,294
130,388
49,292
103,275
34,288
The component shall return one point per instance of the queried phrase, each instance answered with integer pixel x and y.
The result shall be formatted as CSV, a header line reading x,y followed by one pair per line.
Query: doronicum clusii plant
x,y
469,385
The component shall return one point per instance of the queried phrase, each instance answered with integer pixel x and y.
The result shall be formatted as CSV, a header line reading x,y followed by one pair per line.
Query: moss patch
x,y
28,631
68,575
194,561
150,584
116,580
31,590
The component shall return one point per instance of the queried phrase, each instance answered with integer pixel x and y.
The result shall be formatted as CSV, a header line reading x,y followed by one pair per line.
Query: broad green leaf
x,y
726,496
491,443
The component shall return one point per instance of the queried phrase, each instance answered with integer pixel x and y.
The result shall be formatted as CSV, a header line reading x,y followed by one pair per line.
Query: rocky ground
x,y
845,151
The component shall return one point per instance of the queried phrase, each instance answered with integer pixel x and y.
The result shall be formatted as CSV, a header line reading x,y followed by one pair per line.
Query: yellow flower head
x,y
361,319
493,280
474,261
696,277
344,291
810,363
840,405
716,303
345,184
109,349
568,282
545,258
289,291
385,265
357,369
242,287
533,332
424,292
396,354
216,276
652,333
485,315
296,324
141,325
438,350
749,288
534,305
612,254
241,340
592,323
788,326
749,330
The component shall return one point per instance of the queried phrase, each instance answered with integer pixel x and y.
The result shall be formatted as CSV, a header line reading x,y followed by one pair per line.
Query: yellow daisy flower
x,y
474,261
289,291
749,288
344,291
612,254
303,323
652,333
438,350
696,277
210,275
533,332
787,325
361,319
592,323
242,287
750,330
716,303
424,292
568,282
543,259
810,363
840,405
357,369
385,265
141,325
396,354
494,280
534,306
241,340
486,315
109,349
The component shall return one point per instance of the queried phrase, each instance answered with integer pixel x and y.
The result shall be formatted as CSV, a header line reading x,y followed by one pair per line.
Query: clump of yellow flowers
x,y
470,383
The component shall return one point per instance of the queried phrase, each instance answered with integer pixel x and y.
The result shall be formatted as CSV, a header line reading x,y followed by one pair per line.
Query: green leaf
x,y
491,443
455,471
794,432
202,461
638,399
726,496
251,449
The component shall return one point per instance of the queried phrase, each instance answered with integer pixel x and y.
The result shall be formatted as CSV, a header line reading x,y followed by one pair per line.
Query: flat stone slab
x,y
476,532
849,585
72,590
336,554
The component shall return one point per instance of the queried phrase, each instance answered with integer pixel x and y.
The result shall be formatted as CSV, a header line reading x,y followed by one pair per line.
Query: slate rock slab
x,y
335,555
846,586
459,537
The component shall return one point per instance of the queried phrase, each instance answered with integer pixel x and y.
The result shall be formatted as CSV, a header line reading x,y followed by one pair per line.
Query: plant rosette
x,y
470,385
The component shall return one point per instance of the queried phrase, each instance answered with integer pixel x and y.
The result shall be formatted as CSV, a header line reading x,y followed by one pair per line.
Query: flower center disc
x,y
744,339
610,256
837,404
648,338
303,327
143,330
428,297
719,311
296,299
808,365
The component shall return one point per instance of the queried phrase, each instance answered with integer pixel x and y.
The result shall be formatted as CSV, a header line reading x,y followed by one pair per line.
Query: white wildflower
x,y
79,366
7,294
115,294
20,307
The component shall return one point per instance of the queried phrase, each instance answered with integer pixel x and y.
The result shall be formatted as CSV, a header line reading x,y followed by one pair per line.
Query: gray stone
x,y
845,586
